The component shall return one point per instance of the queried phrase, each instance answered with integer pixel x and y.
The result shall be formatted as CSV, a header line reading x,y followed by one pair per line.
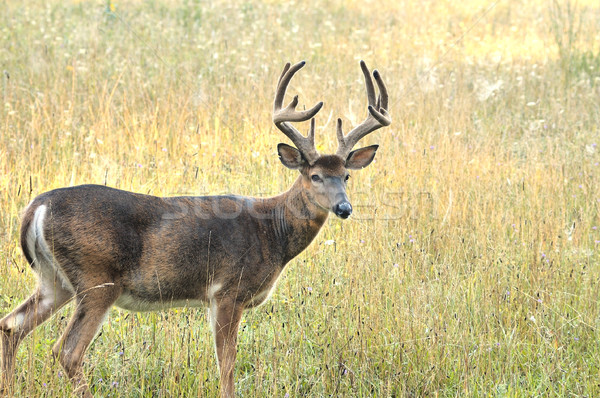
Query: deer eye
x,y
347,177
316,178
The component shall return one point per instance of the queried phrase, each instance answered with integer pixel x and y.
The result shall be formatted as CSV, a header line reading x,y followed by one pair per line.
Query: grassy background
x,y
471,264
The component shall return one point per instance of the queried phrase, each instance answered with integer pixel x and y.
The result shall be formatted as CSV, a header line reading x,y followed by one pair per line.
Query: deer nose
x,y
343,209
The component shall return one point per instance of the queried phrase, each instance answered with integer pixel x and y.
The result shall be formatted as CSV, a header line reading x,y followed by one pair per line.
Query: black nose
x,y
343,209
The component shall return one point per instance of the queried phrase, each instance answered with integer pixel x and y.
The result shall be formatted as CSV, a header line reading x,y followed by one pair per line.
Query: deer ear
x,y
290,157
361,158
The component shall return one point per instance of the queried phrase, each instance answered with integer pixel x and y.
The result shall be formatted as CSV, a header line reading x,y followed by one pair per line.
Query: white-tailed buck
x,y
101,246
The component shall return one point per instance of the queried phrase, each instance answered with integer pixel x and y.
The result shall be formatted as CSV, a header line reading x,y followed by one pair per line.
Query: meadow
x,y
471,264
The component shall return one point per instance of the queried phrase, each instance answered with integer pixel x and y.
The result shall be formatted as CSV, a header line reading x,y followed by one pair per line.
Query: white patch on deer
x,y
212,290
53,296
31,236
15,322
212,316
46,266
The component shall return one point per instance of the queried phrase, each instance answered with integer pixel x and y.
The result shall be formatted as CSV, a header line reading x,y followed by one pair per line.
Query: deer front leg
x,y
18,324
92,307
225,317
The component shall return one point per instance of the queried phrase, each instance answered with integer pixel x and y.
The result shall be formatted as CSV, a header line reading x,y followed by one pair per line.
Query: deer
x,y
101,247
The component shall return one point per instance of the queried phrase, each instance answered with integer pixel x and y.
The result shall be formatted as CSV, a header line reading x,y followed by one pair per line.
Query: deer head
x,y
324,177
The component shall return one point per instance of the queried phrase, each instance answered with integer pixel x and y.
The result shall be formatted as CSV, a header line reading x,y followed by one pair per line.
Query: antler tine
x,y
378,115
282,117
368,83
311,131
383,94
339,131
285,69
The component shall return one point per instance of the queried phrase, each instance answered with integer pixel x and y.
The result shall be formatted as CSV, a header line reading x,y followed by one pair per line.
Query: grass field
x,y
471,265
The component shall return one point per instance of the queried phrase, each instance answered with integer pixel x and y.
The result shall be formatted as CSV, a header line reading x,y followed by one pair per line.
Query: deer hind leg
x,y
92,307
44,302
225,317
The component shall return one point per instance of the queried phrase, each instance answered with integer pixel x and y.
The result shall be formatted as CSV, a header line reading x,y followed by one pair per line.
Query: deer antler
x,y
282,117
378,115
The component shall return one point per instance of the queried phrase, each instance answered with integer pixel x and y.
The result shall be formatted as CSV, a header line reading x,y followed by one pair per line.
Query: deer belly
x,y
132,302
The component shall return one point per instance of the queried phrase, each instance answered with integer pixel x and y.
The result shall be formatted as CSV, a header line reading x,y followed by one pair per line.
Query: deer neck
x,y
296,220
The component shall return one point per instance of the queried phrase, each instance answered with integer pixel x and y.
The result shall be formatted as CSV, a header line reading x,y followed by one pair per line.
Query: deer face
x,y
325,181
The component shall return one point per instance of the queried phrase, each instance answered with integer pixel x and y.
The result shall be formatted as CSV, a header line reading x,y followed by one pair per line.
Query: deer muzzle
x,y
343,209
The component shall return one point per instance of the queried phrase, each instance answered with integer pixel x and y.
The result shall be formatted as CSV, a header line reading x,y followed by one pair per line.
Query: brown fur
x,y
158,252
330,164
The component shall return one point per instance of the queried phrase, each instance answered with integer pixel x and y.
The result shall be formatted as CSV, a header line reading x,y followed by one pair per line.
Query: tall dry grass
x,y
470,266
